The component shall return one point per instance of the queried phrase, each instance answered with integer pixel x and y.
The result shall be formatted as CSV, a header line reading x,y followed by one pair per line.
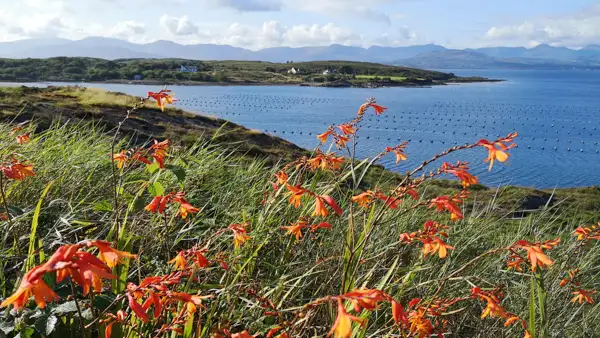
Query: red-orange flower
x,y
342,327
378,109
239,234
497,150
109,255
341,141
243,334
297,192
160,151
121,159
587,233
323,137
399,151
17,170
365,299
32,285
282,177
23,138
535,252
583,296
162,98
321,203
296,228
158,204
442,203
347,129
460,170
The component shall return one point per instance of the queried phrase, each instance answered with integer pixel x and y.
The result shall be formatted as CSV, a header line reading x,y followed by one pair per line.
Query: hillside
x,y
112,49
339,73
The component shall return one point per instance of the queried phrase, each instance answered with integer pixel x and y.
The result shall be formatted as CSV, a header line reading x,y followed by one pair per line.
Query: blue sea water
x,y
557,115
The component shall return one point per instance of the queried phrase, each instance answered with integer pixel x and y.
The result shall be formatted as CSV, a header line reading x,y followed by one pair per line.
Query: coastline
x,y
337,84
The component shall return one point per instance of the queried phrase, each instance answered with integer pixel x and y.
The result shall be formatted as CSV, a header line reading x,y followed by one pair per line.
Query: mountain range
x,y
422,56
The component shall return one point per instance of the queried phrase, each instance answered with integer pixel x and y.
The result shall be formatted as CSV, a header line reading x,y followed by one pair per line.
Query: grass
x,y
371,77
72,161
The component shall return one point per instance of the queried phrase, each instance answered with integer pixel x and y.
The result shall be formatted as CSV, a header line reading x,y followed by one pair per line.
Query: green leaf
x,y
26,332
64,308
178,171
103,206
152,168
46,324
7,327
33,233
156,189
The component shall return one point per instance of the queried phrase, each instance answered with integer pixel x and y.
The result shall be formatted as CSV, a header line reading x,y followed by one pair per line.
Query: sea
x,y
556,113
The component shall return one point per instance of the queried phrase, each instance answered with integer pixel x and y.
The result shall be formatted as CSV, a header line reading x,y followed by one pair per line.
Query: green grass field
x,y
370,77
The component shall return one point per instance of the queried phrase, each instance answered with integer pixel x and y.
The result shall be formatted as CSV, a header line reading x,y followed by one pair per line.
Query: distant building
x,y
138,78
294,71
188,69
329,71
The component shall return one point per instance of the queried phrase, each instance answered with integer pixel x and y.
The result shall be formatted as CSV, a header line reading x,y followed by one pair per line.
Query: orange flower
x,y
535,252
137,309
342,327
399,314
23,138
460,170
158,204
498,154
32,284
296,228
163,97
365,299
17,170
378,109
365,199
320,206
243,334
446,203
296,194
160,151
121,159
322,225
341,141
420,326
179,261
347,129
282,177
433,245
587,233
323,137
109,255
239,234
399,151
583,296
185,208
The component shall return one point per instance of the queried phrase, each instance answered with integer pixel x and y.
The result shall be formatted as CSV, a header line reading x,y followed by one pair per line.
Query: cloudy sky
x,y
256,24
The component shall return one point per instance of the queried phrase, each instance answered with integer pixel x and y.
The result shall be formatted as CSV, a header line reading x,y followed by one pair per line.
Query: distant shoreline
x,y
276,84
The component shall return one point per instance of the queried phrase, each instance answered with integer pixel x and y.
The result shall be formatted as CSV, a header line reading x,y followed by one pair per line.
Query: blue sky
x,y
258,24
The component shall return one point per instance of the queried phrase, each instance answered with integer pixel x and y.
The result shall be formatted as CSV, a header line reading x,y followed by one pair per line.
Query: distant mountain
x,y
423,56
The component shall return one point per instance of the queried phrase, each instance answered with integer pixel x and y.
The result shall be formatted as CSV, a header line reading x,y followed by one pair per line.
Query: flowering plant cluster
x,y
203,279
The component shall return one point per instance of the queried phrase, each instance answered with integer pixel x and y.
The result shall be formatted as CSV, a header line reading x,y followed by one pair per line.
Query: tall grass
x,y
272,271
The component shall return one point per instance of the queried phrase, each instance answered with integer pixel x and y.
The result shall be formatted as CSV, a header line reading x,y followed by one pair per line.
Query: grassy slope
x,y
229,189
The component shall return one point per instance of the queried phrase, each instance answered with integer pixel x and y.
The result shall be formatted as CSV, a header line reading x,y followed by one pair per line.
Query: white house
x,y
294,71
329,71
188,69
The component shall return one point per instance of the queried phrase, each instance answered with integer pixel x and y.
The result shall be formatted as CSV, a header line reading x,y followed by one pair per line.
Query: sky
x,y
257,24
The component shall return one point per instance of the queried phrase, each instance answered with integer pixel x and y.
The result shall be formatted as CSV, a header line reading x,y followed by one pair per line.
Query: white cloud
x,y
249,5
319,35
179,26
128,30
342,8
572,30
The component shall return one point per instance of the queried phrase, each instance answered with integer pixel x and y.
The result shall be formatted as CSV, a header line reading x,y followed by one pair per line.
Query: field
x,y
238,234
371,77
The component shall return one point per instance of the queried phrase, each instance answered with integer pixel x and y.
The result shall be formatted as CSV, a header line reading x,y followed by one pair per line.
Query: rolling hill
x,y
424,56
